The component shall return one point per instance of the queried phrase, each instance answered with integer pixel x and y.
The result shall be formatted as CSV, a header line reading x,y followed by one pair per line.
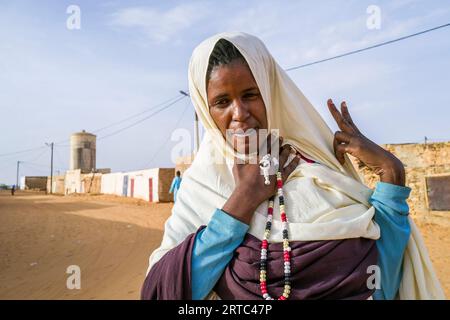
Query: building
x,y
150,184
58,184
83,152
33,183
427,167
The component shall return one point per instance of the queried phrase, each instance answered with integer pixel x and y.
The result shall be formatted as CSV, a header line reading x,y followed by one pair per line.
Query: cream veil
x,y
323,201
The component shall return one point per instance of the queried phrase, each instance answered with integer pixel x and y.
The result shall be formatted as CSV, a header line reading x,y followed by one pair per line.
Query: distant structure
x,y
83,151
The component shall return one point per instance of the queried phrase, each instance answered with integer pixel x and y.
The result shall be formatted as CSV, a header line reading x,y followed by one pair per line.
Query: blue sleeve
x,y
172,186
391,214
213,249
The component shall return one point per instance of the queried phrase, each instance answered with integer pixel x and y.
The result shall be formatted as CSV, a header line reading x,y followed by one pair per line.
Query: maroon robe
x,y
332,269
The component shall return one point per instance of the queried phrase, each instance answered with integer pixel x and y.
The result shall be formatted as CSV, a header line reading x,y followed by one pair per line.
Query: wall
x,y
35,183
112,183
72,181
166,176
420,160
120,183
139,184
91,183
58,184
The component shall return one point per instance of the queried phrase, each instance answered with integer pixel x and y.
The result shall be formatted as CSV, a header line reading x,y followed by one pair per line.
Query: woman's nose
x,y
240,111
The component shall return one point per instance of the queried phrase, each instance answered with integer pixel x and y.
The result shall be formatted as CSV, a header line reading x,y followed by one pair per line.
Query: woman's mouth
x,y
240,133
249,133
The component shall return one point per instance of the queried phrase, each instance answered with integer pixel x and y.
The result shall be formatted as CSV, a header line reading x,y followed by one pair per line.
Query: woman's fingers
x,y
340,120
284,154
340,150
348,118
335,113
340,144
269,142
342,137
290,167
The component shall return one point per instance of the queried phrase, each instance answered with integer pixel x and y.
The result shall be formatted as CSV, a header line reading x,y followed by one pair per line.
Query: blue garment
x,y
391,214
213,249
214,245
176,182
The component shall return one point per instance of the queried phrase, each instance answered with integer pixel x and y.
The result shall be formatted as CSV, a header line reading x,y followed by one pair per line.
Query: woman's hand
x,y
250,190
350,140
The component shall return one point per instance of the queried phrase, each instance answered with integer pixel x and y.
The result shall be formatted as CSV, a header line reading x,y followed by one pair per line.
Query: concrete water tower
x,y
82,151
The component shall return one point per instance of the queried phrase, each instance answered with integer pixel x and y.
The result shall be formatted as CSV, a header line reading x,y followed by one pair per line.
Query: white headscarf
x,y
323,201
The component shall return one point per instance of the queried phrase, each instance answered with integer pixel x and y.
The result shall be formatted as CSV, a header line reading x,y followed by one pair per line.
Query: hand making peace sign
x,y
350,140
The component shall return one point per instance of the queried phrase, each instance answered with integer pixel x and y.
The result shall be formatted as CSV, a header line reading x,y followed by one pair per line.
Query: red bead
x,y
282,298
264,244
270,210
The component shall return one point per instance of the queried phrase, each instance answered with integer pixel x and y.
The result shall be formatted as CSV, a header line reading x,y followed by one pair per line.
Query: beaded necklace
x,y
286,247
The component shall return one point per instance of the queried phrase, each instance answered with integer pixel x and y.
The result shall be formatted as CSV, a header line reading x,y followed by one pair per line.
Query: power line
x,y
21,151
368,48
288,69
123,120
59,159
141,120
39,156
168,138
136,115
38,165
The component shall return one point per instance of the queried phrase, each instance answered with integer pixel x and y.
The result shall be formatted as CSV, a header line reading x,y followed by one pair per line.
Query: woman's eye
x,y
221,102
250,95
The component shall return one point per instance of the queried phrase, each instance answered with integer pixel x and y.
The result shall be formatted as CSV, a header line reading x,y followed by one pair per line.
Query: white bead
x,y
264,251
288,249
287,263
265,295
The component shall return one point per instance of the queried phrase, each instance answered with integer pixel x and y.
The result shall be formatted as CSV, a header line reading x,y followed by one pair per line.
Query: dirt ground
x,y
110,239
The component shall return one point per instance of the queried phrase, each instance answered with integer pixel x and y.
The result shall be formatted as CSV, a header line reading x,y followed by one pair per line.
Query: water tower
x,y
82,151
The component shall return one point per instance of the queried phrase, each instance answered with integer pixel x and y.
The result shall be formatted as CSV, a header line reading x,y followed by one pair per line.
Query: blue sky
x,y
131,55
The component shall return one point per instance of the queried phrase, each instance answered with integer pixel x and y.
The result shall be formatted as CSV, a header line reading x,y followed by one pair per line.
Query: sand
x,y
110,239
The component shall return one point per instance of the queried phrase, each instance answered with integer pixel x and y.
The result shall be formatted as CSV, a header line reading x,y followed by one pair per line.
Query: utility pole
x,y
17,178
196,134
51,166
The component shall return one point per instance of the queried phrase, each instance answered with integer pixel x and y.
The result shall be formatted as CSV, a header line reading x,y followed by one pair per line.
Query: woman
x,y
314,231
176,183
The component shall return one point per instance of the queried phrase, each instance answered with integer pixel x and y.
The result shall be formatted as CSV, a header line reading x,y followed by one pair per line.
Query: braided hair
x,y
223,53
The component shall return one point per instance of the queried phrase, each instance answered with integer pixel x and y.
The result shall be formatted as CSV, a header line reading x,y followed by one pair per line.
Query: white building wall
x,y
72,181
112,183
141,188
21,183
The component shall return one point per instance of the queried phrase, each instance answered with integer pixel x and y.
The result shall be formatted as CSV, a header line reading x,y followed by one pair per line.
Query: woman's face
x,y
235,103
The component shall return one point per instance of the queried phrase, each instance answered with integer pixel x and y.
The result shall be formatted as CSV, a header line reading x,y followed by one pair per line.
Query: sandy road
x,y
110,239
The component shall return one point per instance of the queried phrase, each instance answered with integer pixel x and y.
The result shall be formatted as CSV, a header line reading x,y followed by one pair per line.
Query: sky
x,y
129,56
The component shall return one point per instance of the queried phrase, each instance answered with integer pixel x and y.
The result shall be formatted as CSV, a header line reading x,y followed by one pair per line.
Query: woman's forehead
x,y
234,75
